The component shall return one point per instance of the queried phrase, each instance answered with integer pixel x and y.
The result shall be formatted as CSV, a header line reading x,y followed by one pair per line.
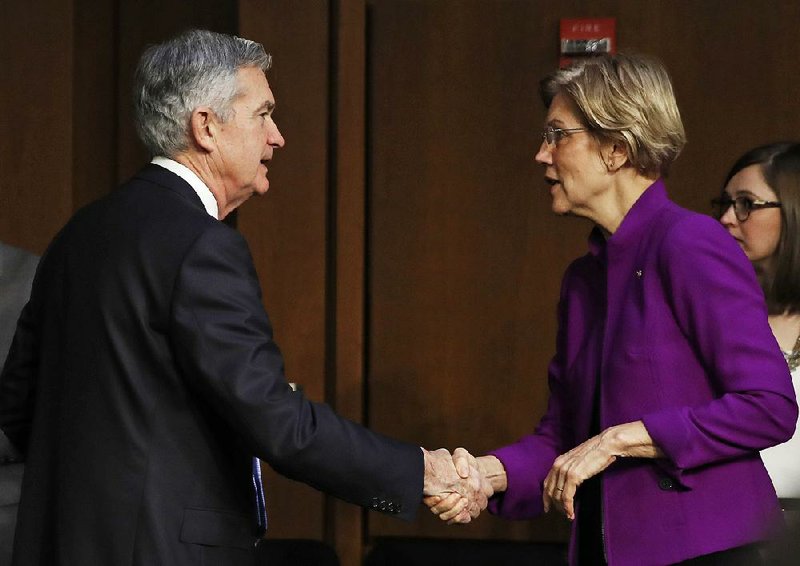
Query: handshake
x,y
457,487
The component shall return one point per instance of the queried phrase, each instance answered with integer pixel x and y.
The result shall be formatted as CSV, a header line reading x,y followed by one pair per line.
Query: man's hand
x,y
455,488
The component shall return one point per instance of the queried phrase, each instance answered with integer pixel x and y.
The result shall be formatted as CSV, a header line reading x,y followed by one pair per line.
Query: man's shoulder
x,y
149,216
167,207
155,182
151,197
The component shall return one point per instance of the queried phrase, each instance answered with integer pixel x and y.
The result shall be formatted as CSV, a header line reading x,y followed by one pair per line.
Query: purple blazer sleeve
x,y
527,463
528,460
754,406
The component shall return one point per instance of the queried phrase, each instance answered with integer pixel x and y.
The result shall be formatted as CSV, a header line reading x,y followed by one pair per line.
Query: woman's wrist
x,y
631,440
494,471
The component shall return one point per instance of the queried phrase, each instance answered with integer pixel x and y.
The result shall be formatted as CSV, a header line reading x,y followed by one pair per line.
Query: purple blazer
x,y
667,316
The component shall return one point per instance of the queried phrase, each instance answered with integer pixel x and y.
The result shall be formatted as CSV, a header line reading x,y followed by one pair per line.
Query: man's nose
x,y
275,138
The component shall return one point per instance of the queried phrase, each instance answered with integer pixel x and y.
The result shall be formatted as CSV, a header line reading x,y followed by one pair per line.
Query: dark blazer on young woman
x,y
143,377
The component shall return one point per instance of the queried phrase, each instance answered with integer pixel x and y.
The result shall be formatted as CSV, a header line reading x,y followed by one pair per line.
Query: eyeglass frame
x,y
555,135
724,203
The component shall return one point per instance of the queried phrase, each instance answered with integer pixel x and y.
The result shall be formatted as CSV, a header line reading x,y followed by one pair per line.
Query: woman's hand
x,y
492,476
590,458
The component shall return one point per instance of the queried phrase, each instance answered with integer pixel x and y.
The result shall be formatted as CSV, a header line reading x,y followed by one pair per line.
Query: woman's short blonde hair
x,y
625,99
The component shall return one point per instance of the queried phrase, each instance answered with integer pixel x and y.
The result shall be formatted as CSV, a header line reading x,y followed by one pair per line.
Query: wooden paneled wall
x,y
69,135
308,235
36,97
465,257
287,228
408,256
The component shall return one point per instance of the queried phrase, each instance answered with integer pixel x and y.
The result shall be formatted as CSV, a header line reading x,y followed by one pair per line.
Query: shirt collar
x,y
202,190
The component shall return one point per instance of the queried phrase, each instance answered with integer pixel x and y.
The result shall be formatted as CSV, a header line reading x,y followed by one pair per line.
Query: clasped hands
x,y
456,487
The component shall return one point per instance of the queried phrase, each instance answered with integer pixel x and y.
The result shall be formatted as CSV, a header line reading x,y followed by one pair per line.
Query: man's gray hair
x,y
197,68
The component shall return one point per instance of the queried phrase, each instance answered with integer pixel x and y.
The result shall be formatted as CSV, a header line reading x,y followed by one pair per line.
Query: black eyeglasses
x,y
552,136
742,206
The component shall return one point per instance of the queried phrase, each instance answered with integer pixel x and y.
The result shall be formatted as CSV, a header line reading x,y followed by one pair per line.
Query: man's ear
x,y
203,128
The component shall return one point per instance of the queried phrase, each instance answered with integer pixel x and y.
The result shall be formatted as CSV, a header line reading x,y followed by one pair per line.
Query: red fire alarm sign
x,y
585,37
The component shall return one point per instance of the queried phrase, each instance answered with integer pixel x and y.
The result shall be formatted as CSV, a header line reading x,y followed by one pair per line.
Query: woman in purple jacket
x,y
666,380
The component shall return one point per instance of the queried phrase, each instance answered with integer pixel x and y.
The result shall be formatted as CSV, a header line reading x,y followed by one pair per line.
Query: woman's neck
x,y
765,268
786,328
629,186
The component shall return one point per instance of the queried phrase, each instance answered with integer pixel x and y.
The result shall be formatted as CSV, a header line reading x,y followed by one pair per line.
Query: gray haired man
x,y
143,378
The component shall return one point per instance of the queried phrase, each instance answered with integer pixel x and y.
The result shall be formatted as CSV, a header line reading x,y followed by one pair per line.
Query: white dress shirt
x,y
202,190
783,461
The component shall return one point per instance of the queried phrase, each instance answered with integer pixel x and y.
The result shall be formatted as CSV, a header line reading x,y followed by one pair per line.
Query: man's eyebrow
x,y
267,105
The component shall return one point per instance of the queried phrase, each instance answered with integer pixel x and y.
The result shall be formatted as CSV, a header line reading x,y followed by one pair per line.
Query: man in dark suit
x,y
16,273
143,376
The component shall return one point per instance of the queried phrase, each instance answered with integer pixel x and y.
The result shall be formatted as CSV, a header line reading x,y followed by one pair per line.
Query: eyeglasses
x,y
742,206
552,136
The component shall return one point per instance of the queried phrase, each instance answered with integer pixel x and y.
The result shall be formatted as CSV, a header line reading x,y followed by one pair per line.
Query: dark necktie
x,y
261,506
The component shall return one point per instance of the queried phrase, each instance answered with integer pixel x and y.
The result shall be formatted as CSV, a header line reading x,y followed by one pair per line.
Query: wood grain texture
x,y
95,104
287,229
465,257
36,50
411,127
346,249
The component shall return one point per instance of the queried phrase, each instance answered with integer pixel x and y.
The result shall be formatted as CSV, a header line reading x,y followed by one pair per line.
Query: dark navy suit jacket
x,y
143,377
